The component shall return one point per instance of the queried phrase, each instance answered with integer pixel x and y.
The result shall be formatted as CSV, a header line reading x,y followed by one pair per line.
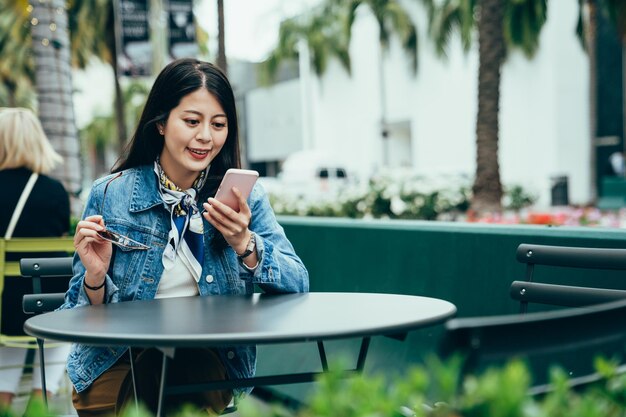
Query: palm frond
x,y
16,66
350,17
339,51
323,30
580,25
616,12
406,31
523,21
449,18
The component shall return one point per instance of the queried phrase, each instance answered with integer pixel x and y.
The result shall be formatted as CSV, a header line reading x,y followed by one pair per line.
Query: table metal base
x,y
282,379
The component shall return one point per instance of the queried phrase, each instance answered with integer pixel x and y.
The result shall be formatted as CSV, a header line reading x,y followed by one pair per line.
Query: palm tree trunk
x,y
119,106
487,189
221,43
53,75
120,112
590,33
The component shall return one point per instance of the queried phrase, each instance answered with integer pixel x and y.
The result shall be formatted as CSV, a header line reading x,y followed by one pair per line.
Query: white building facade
x,y
544,109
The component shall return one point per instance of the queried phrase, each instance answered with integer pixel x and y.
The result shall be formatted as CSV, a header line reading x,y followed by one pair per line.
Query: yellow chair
x,y
12,269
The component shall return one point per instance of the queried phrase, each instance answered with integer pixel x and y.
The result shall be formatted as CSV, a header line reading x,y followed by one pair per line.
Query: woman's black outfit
x,y
45,214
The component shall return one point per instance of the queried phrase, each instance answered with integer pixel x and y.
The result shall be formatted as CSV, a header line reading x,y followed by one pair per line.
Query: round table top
x,y
233,320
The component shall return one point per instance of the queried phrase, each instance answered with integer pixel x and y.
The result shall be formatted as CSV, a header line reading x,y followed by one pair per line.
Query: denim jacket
x,y
133,207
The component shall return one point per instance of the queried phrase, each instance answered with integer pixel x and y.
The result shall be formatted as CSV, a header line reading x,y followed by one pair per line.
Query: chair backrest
x,y
38,268
562,295
570,338
571,257
27,245
16,248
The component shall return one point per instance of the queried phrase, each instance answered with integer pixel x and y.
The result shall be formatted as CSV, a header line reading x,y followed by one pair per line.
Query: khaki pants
x,y
113,390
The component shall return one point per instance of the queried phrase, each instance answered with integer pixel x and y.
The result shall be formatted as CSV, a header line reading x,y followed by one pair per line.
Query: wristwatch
x,y
249,248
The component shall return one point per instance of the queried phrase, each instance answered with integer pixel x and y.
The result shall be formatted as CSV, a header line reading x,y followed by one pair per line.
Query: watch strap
x,y
249,248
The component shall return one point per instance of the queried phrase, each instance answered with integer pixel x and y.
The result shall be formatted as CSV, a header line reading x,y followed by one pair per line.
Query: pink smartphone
x,y
243,179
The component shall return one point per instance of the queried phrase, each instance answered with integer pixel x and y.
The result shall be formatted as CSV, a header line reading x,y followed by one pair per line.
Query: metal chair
x,y
569,338
10,271
38,302
572,257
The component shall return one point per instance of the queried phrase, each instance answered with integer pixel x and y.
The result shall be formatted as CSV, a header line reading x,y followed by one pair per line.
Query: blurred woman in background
x,y
32,205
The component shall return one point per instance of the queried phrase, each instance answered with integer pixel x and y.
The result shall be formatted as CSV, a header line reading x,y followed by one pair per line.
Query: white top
x,y
177,281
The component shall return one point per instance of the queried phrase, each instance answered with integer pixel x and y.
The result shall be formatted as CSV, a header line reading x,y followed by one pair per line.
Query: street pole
x,y
304,63
158,33
384,132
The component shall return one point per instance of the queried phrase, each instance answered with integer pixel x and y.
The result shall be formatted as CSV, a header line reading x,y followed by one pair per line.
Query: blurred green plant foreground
x,y
434,390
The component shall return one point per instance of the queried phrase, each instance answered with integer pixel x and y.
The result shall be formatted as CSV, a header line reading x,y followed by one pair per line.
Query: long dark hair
x,y
176,80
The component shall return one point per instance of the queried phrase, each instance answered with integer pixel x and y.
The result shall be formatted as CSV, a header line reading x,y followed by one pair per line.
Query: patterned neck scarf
x,y
186,233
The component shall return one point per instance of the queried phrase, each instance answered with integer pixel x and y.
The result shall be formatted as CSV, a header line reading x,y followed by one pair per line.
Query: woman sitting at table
x,y
151,209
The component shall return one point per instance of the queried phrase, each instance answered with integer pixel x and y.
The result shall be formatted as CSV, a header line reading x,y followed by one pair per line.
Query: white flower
x,y
398,206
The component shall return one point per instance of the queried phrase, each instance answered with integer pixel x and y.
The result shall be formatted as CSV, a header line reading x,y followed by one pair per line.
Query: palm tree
x,y
16,66
90,24
51,51
36,54
616,9
100,132
502,25
312,39
487,188
322,30
221,35
92,30
392,19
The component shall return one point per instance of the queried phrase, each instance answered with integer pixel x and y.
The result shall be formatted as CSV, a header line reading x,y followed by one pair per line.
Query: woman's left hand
x,y
232,225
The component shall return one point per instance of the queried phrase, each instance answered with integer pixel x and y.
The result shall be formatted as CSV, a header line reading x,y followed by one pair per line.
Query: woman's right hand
x,y
94,252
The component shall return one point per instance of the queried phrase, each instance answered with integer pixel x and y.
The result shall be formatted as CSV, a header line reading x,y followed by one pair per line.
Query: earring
x,y
161,131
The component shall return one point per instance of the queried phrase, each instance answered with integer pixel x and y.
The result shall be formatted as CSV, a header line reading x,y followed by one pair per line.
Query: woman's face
x,y
195,133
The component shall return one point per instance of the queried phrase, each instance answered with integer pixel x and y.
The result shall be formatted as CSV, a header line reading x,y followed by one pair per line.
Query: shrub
x,y
434,391
395,195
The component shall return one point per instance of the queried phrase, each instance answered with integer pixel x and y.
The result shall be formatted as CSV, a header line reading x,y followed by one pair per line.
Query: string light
x,y
51,40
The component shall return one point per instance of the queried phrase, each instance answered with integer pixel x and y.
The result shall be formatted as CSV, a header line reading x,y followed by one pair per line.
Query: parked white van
x,y
309,174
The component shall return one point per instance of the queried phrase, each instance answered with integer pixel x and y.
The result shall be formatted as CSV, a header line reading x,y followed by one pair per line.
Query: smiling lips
x,y
199,153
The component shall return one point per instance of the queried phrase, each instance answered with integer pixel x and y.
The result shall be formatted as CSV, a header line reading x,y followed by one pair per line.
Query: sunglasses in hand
x,y
115,238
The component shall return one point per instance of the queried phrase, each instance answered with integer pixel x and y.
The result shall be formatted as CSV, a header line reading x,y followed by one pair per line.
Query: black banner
x,y
134,55
182,30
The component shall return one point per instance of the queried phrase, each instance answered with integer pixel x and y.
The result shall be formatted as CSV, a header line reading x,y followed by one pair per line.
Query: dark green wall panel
x,y
470,265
